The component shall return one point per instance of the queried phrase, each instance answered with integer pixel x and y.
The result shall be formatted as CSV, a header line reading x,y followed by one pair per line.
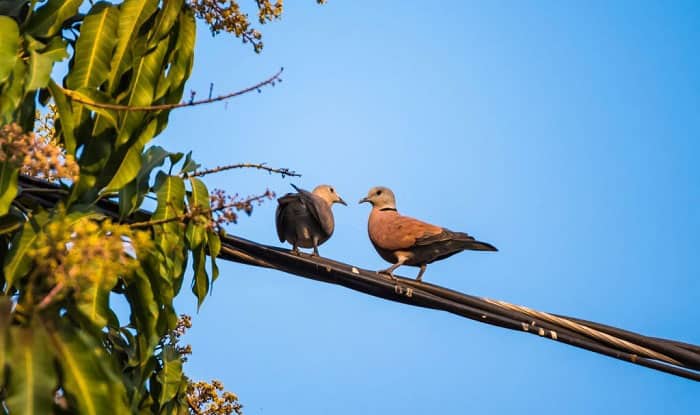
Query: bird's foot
x,y
315,253
389,273
296,251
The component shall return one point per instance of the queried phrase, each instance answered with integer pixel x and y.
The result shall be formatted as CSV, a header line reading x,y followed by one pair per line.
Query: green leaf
x,y
141,90
198,199
214,248
12,221
5,318
171,197
8,186
12,8
133,14
199,196
17,261
170,376
172,84
189,165
131,196
200,280
129,163
48,19
144,313
93,95
66,125
167,17
9,43
88,377
56,49
93,302
40,66
33,379
11,94
93,51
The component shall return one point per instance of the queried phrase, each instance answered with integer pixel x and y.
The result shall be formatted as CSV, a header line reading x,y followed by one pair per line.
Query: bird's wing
x,y
396,232
318,209
280,216
461,239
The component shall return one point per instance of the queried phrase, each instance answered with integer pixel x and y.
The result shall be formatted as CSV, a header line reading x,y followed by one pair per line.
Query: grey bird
x,y
305,219
402,240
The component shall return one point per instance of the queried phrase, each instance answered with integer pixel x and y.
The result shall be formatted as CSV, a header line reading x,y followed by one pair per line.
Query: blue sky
x,y
565,134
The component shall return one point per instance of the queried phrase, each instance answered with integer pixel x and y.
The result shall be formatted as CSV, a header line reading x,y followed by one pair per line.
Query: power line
x,y
670,356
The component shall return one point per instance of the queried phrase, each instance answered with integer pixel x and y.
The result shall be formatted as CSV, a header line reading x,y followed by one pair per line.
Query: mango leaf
x,y
166,19
131,196
17,261
133,13
12,8
33,379
198,199
65,126
189,165
8,186
9,43
11,93
200,279
171,85
5,317
129,163
141,90
93,302
144,313
39,70
56,49
170,193
91,98
12,221
93,51
214,248
170,376
48,19
88,378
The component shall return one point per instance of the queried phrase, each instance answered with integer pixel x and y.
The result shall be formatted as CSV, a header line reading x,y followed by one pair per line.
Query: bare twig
x,y
50,296
260,166
74,96
197,211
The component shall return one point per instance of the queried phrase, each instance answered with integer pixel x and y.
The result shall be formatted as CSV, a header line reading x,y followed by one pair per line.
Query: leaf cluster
x,y
63,348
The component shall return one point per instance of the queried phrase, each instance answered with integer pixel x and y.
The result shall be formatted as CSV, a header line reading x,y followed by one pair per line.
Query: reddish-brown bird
x,y
402,240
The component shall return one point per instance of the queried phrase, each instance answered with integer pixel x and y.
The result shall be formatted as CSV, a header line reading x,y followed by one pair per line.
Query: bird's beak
x,y
363,200
341,201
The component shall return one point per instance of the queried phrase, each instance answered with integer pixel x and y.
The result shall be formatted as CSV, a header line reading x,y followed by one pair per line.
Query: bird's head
x,y
328,193
380,197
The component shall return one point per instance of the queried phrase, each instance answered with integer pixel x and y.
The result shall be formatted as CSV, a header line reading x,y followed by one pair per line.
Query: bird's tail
x,y
479,246
468,242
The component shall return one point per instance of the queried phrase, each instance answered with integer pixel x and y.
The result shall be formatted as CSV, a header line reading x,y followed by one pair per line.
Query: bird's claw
x,y
388,273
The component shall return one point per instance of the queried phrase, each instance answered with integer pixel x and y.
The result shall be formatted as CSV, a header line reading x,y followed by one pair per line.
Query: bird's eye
x,y
379,192
332,190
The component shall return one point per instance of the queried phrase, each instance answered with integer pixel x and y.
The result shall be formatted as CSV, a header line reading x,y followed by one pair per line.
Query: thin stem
x,y
260,166
84,100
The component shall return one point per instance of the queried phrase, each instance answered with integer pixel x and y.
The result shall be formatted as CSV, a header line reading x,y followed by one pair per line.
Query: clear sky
x,y
566,134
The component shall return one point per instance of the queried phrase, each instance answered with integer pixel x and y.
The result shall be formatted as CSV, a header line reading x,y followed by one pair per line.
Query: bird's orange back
x,y
390,230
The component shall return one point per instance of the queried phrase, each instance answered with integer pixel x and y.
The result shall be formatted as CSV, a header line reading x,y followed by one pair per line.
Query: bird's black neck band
x,y
387,208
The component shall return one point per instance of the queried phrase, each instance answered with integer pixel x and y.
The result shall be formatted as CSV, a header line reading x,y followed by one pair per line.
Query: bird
x,y
305,219
402,240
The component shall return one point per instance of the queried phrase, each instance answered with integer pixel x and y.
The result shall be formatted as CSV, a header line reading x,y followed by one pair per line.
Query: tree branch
x,y
84,100
260,166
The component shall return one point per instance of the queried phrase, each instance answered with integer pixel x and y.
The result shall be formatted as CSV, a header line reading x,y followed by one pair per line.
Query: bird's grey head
x,y
380,197
328,193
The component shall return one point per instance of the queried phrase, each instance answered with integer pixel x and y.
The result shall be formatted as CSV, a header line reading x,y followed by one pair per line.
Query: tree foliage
x,y
63,348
